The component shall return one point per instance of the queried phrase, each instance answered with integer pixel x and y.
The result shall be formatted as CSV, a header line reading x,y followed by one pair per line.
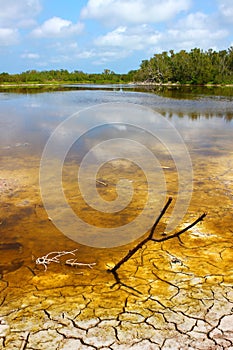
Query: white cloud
x,y
85,54
134,38
194,21
18,12
119,12
102,57
57,27
190,39
30,55
195,30
8,36
27,23
226,10
69,49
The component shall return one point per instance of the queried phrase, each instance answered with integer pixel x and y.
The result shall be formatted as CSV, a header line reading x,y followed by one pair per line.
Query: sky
x,y
94,35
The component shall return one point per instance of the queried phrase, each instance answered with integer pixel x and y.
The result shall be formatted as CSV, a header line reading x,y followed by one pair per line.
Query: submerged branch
x,y
159,218
101,183
150,238
144,241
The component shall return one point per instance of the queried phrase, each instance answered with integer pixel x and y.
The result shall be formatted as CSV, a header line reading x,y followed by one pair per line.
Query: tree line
x,y
195,67
63,76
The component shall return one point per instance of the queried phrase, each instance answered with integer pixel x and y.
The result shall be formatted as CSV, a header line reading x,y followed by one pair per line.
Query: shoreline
x,y
8,85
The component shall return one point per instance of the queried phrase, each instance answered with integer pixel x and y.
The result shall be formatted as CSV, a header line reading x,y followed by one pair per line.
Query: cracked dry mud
x,y
185,298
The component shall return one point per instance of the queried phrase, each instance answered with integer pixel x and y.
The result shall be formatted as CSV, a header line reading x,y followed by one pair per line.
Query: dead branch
x,y
151,238
75,263
53,257
144,241
177,234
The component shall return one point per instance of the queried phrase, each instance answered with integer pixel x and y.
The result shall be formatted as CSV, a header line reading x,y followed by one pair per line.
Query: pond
x,y
86,170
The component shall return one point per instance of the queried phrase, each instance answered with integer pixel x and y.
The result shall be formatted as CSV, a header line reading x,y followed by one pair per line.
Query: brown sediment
x,y
186,295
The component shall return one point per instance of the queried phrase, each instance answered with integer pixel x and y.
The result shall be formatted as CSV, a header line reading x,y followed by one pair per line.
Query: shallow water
x,y
179,275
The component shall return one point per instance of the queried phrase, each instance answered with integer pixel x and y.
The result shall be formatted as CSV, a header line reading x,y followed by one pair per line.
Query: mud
x,y
185,288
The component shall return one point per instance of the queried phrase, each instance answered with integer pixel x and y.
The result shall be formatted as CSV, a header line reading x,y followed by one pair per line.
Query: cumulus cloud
x,y
118,12
135,38
195,30
18,12
57,27
8,36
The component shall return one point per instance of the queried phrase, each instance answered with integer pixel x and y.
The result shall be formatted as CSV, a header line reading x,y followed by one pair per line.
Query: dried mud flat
x,y
185,289
176,308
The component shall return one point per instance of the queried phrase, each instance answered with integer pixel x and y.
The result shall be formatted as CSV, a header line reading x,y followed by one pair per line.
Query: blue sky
x,y
93,35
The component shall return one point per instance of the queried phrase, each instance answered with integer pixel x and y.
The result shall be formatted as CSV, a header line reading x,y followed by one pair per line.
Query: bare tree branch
x,y
177,234
150,238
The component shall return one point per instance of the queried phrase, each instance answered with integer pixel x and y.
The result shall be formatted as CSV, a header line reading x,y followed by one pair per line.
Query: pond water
x,y
28,118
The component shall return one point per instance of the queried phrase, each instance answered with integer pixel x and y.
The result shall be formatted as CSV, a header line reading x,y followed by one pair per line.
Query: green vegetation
x,y
62,76
196,67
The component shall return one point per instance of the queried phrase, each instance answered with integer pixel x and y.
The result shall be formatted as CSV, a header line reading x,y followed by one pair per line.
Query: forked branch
x,y
151,238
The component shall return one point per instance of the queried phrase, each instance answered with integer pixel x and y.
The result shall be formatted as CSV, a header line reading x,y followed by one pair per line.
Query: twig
x,y
101,183
73,262
46,259
54,257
